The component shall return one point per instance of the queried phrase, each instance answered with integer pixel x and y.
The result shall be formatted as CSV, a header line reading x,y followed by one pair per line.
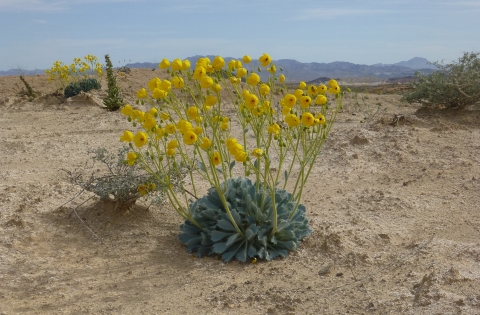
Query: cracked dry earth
x,y
394,206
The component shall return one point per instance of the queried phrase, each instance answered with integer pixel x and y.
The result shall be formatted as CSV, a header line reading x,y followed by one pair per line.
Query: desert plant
x,y
30,93
113,101
369,112
84,85
187,126
455,85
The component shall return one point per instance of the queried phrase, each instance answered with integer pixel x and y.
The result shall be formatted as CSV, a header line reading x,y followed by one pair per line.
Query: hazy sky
x,y
35,33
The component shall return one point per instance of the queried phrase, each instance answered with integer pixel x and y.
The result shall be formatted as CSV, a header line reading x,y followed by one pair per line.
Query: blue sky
x,y
35,33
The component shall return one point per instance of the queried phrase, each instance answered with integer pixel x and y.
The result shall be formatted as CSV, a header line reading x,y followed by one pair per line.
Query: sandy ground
x,y
394,209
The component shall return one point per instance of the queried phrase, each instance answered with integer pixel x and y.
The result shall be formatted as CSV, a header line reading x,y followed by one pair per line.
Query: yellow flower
x,y
224,126
166,85
127,136
206,82
332,83
183,126
247,59
186,64
312,90
281,78
292,120
157,93
257,110
203,62
140,139
170,152
286,110
231,64
126,110
265,60
131,158
298,93
241,72
274,129
302,85
218,63
210,100
154,84
321,119
235,80
321,99
192,112
177,64
241,156
238,64
142,190
251,100
149,122
216,87
164,64
170,128
257,152
322,89
177,82
307,119
253,79
189,137
235,148
153,111
216,158
160,132
199,73
138,115
289,100
172,144
164,116
142,93
272,69
305,101
334,89
198,130
231,141
206,143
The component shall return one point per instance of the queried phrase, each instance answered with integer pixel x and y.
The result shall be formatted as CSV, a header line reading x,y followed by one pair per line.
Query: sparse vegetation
x,y
455,85
113,101
84,85
30,93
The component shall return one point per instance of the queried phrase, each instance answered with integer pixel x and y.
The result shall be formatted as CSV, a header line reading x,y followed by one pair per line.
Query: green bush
x,y
113,101
455,85
84,85
253,212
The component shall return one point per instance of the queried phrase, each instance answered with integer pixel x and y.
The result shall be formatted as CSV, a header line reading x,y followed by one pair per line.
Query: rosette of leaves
x,y
252,210
84,85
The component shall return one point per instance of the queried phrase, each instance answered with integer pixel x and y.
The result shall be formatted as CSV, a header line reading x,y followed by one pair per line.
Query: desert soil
x,y
394,206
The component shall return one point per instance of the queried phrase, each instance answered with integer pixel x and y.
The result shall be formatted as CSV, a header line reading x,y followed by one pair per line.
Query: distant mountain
x,y
21,72
296,71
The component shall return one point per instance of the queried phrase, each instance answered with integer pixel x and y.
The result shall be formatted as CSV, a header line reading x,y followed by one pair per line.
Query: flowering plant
x,y
191,124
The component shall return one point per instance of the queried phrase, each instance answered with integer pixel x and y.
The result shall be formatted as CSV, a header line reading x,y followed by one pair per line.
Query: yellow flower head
x,y
238,64
265,59
234,80
231,141
332,83
257,110
199,73
206,143
302,85
198,130
298,93
154,84
321,99
178,82
216,87
177,64
172,144
170,152
286,110
183,126
189,137
274,129
206,82
289,100
186,64
157,94
305,101
307,119
224,126
203,62
334,89
192,112
149,122
253,79
127,136
126,110
166,85
312,90
164,116
281,78
241,72
218,63
321,119
247,59
216,158
170,128
153,111
231,64
272,69
251,100
211,100
257,152
131,158
142,93
292,120
140,139
164,64
160,132
241,156
322,89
